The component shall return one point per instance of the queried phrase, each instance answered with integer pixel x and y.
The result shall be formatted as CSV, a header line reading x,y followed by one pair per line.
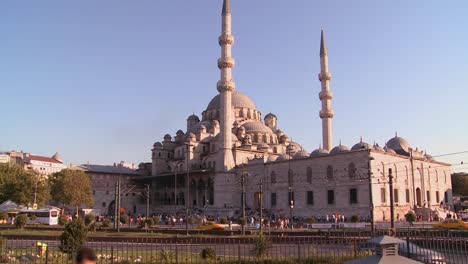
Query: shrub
x,y
124,219
106,223
354,219
223,221
410,217
88,219
156,220
149,222
21,221
451,224
166,256
208,253
32,217
62,220
242,221
311,220
74,236
3,216
261,246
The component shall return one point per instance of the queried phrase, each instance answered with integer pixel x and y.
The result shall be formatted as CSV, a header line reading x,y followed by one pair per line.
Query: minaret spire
x,y
225,87
325,95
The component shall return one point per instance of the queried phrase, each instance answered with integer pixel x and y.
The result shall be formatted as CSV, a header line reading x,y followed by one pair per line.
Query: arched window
x,y
275,150
104,204
290,176
273,177
255,138
309,174
330,172
352,170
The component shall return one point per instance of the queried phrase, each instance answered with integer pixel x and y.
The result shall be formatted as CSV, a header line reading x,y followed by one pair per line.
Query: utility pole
x,y
115,205
243,221
392,209
371,199
147,187
118,204
261,205
187,182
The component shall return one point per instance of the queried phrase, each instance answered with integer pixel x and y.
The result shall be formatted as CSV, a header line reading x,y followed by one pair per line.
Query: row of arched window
x,y
309,173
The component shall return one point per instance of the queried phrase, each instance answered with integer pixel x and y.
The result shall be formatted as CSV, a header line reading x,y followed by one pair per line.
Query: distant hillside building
x,y
41,164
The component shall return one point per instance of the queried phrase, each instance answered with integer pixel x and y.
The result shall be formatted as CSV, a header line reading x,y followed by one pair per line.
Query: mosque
x,y
231,155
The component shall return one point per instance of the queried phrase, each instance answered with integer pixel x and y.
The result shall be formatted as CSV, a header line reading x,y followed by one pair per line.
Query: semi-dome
x,y
399,145
319,152
256,126
361,145
283,157
389,150
301,155
378,148
57,157
339,149
239,100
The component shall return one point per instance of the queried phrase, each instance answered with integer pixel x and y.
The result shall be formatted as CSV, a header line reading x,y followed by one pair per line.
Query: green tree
x,y
21,186
21,221
74,236
71,187
460,183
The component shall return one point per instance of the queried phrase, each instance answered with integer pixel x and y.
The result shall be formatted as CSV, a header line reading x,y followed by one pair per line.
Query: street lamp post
x,y
291,206
187,182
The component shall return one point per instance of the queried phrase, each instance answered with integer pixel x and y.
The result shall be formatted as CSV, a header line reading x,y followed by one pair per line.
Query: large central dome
x,y
239,100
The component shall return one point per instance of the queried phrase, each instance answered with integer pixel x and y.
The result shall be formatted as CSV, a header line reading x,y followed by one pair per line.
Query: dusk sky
x,y
101,81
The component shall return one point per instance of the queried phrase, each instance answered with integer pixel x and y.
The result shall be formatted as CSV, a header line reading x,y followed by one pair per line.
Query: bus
x,y
43,216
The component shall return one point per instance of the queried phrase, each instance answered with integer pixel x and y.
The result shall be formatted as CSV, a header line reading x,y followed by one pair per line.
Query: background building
x,y
41,164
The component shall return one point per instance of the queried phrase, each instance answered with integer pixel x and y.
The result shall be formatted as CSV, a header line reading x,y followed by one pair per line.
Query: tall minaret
x,y
325,95
225,87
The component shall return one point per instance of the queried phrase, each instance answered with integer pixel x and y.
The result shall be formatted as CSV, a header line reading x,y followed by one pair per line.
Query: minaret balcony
x,y
324,76
325,95
226,86
227,62
326,114
226,39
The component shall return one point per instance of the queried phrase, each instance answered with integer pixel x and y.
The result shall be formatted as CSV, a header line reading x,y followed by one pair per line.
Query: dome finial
x,y
361,140
340,141
396,134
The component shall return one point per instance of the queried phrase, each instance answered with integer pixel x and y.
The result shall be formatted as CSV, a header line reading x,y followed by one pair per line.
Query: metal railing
x,y
321,247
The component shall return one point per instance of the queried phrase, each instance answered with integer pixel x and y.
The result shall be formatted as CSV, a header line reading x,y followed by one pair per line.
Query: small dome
x,y
428,157
399,145
361,145
179,132
301,155
256,126
191,137
319,152
293,147
215,123
378,148
270,115
157,145
339,149
283,157
167,137
57,157
193,118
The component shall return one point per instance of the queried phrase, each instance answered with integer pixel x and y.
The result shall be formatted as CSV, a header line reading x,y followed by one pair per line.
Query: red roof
x,y
42,158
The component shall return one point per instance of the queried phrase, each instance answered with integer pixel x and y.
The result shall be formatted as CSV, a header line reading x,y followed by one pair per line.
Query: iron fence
x,y
322,247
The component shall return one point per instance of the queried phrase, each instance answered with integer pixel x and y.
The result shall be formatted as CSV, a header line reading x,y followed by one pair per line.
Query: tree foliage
x,y
21,221
460,184
71,187
19,185
74,236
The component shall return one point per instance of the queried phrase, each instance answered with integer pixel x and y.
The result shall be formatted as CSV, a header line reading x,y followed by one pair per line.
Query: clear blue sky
x,y
103,80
